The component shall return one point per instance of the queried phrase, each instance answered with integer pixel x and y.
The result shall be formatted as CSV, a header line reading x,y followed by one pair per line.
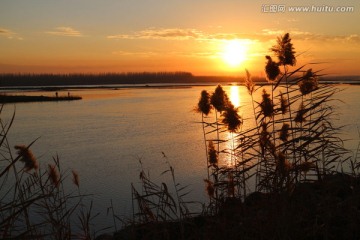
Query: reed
x,y
34,203
156,207
292,139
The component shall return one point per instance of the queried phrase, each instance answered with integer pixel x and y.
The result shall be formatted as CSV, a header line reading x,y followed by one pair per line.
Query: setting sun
x,y
234,52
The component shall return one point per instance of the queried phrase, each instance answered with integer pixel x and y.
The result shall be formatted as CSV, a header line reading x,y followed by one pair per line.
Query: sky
x,y
204,37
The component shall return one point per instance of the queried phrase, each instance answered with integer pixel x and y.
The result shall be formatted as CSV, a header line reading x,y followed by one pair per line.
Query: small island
x,y
5,98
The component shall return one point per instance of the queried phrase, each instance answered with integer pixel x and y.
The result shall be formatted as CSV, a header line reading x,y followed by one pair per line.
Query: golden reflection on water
x,y
235,96
230,158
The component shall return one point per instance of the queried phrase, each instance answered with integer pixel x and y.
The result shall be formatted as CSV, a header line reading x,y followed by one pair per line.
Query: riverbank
x,y
324,209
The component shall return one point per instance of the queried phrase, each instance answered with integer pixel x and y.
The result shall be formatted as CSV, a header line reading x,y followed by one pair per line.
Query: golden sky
x,y
205,37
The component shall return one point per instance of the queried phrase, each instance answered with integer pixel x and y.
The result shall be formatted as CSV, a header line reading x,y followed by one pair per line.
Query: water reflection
x,y
235,96
107,134
230,158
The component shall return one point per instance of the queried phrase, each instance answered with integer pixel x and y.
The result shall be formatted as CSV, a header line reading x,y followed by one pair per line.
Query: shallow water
x,y
104,136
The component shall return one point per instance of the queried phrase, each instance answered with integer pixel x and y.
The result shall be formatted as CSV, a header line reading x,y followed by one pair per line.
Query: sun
x,y
234,52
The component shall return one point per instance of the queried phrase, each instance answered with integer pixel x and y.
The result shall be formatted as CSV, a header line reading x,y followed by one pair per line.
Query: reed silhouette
x,y
293,139
34,203
292,142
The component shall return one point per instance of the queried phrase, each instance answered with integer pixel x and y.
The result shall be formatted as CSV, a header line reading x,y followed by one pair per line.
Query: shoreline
x,y
23,98
139,86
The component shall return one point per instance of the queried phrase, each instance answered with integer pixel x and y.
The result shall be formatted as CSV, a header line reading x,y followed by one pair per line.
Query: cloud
x,y
192,54
9,34
176,34
292,20
308,36
265,35
128,53
161,33
222,36
202,54
353,38
350,39
273,33
65,31
4,31
146,54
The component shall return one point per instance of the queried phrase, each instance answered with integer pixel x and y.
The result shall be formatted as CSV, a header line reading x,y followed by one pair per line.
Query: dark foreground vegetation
x,y
324,209
285,176
4,98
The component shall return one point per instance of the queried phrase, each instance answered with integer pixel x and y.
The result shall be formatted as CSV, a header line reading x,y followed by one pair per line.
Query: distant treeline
x,y
14,80
94,79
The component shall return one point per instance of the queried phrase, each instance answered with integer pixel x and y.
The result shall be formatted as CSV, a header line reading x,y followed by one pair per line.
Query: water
x,y
104,136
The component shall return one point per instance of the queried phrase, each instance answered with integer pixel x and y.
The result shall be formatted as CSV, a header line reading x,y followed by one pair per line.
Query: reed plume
x,y
267,106
284,132
27,157
300,115
213,155
249,84
53,175
272,69
284,104
284,50
75,178
204,105
308,83
219,99
231,118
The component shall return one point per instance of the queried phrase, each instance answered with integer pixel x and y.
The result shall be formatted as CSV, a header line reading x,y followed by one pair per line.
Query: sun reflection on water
x,y
235,96
230,158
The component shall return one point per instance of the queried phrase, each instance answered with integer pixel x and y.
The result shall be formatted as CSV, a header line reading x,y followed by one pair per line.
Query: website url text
x,y
281,8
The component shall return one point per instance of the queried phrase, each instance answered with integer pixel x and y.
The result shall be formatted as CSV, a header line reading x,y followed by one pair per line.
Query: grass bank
x,y
4,98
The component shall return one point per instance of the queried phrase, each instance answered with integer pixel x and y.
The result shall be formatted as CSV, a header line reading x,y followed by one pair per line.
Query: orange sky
x,y
120,36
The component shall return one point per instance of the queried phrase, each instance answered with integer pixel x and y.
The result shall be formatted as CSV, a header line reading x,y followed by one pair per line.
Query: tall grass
x,y
158,209
286,159
34,203
292,139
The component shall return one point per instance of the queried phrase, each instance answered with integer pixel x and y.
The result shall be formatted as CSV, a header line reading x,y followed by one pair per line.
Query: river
x,y
104,135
